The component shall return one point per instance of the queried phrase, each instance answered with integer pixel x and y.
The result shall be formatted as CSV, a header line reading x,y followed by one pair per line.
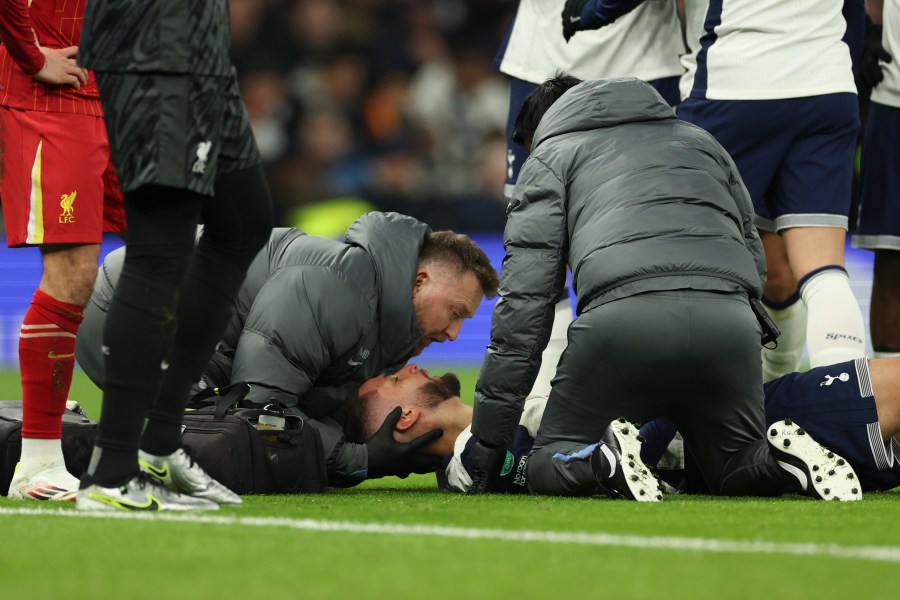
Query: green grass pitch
x,y
396,538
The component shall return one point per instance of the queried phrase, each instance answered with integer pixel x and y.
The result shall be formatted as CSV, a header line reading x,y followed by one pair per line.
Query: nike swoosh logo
x,y
53,354
610,458
574,19
151,504
800,475
160,474
354,363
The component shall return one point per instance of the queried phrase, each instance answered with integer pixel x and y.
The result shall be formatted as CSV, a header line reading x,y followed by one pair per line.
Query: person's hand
x,y
873,54
487,463
571,17
387,456
60,68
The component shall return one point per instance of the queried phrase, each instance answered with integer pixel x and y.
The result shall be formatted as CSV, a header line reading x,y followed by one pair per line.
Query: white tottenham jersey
x,y
888,91
765,49
645,43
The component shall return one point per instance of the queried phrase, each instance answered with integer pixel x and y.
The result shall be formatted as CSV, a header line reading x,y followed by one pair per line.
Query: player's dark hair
x,y
431,395
355,417
460,251
536,104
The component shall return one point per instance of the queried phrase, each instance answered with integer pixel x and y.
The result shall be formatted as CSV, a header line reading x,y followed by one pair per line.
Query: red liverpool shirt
x,y
55,24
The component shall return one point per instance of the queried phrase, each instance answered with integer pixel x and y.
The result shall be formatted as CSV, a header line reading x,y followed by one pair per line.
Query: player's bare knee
x,y
69,273
780,286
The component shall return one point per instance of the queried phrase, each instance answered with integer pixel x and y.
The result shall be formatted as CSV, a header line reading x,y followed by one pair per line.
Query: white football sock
x,y
834,330
785,357
40,454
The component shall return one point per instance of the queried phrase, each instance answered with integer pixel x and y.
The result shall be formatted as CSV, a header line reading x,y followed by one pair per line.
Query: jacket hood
x,y
600,103
394,242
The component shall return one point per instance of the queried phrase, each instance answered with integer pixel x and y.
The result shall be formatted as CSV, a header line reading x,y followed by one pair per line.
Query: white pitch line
x,y
870,553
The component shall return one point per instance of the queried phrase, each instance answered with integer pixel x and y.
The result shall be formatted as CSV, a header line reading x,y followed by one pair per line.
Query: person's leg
x,y
718,408
758,135
878,224
812,197
46,362
166,133
849,407
884,312
884,374
237,223
835,328
600,379
141,323
611,466
885,377
53,197
657,434
783,303
237,220
723,425
47,339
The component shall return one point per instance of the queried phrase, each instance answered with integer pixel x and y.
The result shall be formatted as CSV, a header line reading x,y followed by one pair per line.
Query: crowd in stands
x,y
377,104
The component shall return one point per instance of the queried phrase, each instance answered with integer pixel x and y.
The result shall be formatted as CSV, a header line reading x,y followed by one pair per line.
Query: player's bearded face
x,y
446,386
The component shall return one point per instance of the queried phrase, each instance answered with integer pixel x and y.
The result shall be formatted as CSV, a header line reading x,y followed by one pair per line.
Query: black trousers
x,y
691,356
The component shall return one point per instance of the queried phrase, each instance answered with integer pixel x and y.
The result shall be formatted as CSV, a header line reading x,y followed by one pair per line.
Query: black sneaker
x,y
618,466
820,472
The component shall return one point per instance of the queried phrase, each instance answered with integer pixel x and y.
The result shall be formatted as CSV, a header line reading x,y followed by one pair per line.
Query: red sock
x,y
46,360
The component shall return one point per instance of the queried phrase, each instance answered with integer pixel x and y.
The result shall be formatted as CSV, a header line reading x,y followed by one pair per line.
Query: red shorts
x,y
58,184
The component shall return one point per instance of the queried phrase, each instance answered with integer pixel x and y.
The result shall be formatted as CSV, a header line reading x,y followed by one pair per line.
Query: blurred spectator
x,y
391,104
459,103
270,111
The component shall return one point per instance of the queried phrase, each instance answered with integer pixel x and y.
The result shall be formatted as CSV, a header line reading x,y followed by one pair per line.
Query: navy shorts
x,y
519,90
513,474
836,406
878,219
176,130
794,155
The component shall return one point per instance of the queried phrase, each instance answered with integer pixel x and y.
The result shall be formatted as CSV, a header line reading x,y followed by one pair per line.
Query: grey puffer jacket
x,y
316,311
633,200
317,317
314,319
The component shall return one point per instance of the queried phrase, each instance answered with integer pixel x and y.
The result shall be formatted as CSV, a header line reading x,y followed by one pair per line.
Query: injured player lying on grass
x,y
852,409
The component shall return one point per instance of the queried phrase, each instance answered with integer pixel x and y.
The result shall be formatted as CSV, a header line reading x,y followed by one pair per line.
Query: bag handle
x,y
222,398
